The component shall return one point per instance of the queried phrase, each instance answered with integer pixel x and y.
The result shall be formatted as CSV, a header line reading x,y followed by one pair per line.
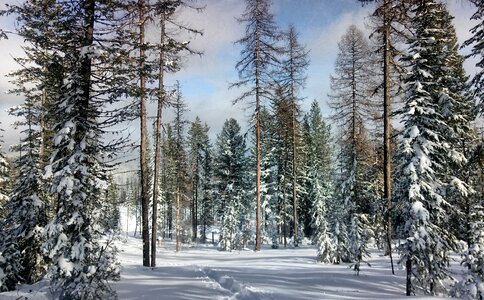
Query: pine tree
x,y
424,150
349,101
258,59
229,176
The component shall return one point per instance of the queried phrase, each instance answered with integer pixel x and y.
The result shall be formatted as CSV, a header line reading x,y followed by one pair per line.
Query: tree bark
x,y
143,142
258,238
177,226
161,93
408,266
387,157
294,171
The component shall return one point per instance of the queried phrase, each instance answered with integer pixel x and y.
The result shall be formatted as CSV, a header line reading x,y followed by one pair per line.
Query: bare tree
x,y
259,56
293,79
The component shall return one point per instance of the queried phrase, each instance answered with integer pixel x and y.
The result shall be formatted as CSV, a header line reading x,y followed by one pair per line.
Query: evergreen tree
x,y
425,150
26,211
199,142
207,200
4,178
229,176
318,185
258,59
168,179
180,162
82,263
477,42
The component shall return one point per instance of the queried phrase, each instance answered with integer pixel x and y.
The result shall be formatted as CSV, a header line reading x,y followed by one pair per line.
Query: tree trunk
x,y
408,266
258,238
143,141
177,226
154,218
294,172
387,157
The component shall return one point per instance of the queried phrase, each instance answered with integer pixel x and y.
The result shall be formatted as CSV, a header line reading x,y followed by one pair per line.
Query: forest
x,y
396,167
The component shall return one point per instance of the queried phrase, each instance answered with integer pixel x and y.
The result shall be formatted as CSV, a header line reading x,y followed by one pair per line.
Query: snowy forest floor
x,y
203,272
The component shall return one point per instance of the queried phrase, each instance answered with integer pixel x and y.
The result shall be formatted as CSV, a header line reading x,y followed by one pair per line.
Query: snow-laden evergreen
x,y
477,42
318,182
26,211
425,151
229,174
82,259
4,176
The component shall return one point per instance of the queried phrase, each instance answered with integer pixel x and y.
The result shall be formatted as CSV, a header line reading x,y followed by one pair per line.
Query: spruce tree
x,y
229,175
26,211
82,260
424,150
318,185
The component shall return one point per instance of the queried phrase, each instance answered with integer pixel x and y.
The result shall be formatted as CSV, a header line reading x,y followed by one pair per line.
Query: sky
x,y
205,79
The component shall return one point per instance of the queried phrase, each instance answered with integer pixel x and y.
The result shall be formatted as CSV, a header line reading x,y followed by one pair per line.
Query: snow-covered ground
x,y
203,272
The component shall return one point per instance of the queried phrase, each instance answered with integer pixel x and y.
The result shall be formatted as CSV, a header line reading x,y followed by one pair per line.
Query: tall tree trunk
x,y
258,238
177,226
143,142
294,172
387,156
161,94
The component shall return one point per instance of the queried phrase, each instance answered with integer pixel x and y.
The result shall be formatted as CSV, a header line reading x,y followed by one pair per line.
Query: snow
x,y
203,272
65,265
419,211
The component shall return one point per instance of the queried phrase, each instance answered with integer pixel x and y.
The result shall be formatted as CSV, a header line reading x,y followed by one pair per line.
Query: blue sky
x,y
205,80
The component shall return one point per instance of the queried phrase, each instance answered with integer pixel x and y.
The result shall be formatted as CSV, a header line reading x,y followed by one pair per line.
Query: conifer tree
x,y
169,61
207,199
259,55
293,79
318,186
4,178
82,263
180,161
26,212
229,176
349,101
198,140
477,42
426,149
